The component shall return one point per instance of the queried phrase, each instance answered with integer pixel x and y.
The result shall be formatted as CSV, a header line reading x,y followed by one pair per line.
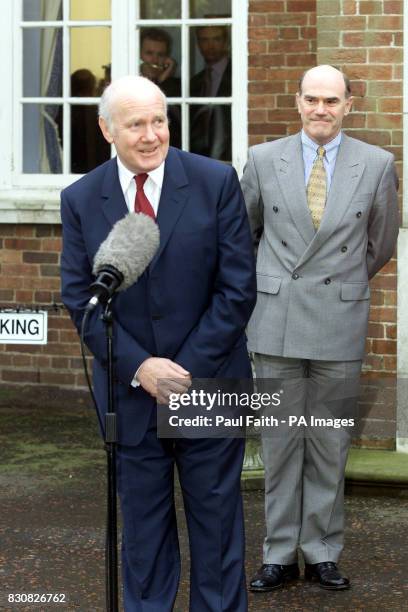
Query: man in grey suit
x,y
324,216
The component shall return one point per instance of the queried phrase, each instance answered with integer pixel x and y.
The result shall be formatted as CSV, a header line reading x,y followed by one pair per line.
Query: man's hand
x,y
160,377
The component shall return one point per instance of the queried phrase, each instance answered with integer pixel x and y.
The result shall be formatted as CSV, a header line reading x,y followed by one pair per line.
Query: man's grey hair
x,y
123,85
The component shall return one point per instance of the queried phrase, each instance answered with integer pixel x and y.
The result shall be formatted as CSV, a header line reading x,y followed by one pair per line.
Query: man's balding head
x,y
323,100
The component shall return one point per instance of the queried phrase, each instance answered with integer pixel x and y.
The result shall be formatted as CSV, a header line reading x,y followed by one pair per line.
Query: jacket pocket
x,y
355,291
268,284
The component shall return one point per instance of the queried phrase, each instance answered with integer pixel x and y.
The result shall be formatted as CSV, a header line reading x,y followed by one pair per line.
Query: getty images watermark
x,y
234,409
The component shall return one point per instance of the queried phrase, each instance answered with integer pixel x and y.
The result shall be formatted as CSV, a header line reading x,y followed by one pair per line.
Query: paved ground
x,y
53,512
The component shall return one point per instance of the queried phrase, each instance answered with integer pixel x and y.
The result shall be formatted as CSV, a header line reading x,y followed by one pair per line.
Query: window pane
x,y
42,62
42,10
174,115
210,8
91,11
159,9
42,150
210,131
90,51
88,146
210,61
160,56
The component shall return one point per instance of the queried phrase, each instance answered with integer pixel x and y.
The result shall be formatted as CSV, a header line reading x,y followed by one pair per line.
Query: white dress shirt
x,y
152,186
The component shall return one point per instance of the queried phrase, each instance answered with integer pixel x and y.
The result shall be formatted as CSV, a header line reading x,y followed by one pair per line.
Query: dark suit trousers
x,y
209,474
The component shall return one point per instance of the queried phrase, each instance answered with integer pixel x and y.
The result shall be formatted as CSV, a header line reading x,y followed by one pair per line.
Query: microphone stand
x,y
110,447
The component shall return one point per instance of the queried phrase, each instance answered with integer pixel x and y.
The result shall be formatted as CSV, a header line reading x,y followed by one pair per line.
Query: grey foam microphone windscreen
x,y
129,247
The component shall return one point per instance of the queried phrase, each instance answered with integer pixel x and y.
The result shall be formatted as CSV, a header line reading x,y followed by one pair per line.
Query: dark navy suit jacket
x,y
193,302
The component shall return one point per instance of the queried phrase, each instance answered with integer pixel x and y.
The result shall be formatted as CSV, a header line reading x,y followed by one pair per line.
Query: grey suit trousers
x,y
305,464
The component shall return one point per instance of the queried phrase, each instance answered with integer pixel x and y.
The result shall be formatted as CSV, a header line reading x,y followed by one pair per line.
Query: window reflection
x,y
158,62
90,49
91,11
88,146
42,150
42,62
42,10
159,9
210,131
210,8
210,125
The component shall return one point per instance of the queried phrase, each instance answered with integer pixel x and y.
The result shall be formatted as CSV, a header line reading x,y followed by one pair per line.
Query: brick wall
x,y
282,45
29,276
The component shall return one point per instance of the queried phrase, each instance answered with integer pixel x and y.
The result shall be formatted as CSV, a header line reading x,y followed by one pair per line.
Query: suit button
x,y
358,215
327,281
343,249
295,276
285,244
275,209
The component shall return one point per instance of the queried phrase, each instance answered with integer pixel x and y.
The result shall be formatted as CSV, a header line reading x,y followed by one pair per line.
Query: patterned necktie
x,y
142,204
317,188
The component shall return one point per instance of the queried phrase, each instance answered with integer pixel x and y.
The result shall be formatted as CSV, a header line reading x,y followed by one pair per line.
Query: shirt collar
x,y
220,66
311,144
126,176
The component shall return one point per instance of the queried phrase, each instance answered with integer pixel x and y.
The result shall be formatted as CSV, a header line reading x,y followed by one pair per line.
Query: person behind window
x,y
88,147
158,66
211,125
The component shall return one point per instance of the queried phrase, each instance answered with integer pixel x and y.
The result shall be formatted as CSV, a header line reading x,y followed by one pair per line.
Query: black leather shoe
x,y
327,575
271,576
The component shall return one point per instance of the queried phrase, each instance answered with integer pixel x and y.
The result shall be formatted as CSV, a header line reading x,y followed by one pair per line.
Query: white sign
x,y
23,327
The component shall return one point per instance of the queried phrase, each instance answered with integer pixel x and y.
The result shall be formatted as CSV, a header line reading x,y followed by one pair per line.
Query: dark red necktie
x,y
142,204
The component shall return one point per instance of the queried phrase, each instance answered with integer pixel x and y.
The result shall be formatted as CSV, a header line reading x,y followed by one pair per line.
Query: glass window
x,y
64,137
67,51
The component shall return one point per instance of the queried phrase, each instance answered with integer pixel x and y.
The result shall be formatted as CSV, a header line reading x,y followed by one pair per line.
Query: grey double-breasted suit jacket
x,y
313,293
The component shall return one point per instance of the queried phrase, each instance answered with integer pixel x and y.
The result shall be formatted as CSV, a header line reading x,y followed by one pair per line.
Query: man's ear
x,y
105,130
297,101
349,104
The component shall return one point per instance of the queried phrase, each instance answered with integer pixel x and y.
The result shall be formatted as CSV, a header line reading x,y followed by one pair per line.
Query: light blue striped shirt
x,y
309,149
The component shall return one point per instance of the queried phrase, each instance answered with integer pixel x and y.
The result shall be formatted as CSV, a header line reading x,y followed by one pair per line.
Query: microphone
x,y
123,256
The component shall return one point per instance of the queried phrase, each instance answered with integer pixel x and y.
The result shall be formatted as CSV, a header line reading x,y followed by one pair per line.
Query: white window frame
x,y
34,198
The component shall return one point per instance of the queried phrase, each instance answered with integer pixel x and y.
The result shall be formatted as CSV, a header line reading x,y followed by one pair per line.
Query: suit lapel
x,y
173,199
113,202
347,174
291,178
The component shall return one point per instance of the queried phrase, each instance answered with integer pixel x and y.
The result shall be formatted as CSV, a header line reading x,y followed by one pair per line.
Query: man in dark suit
x,y
324,214
183,319
211,124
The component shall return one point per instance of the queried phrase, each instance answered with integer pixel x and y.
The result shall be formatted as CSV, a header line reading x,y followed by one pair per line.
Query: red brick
x,y
22,244
385,56
266,6
257,20
367,39
349,7
375,330
266,33
393,7
385,22
382,121
24,297
303,59
385,89
36,257
370,73
370,7
257,46
384,347
300,6
287,19
384,314
7,256
6,295
20,376
19,270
